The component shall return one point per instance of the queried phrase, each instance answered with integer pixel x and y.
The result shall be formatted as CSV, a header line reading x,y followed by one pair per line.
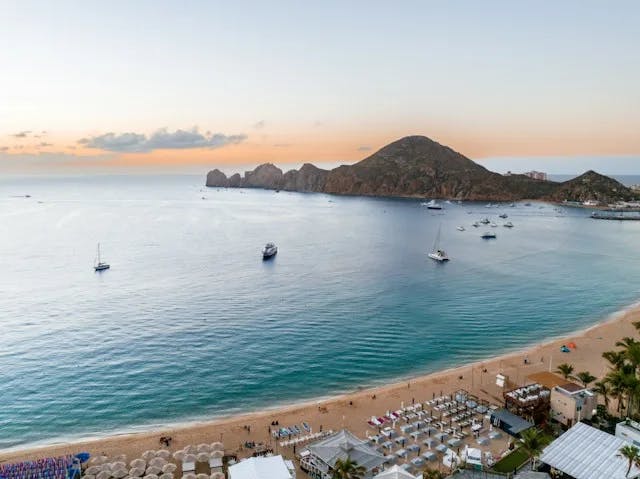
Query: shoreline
x,y
375,399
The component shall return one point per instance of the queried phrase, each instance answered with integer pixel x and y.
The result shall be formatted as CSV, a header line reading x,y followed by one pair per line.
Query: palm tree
x,y
602,388
615,358
636,324
347,469
533,441
626,342
617,380
429,473
585,378
566,370
632,454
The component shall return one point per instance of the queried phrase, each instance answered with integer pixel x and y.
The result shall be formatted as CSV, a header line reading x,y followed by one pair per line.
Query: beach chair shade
x,y
136,472
217,453
103,475
120,473
217,446
150,454
157,461
92,470
163,453
217,475
202,457
153,470
166,475
191,449
179,455
204,448
89,476
151,476
189,475
189,458
202,476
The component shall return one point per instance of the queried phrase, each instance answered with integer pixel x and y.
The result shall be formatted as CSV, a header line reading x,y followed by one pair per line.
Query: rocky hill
x,y
416,166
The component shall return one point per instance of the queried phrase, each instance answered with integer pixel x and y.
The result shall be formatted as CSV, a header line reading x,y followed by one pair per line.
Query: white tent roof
x,y
585,452
396,472
343,444
272,467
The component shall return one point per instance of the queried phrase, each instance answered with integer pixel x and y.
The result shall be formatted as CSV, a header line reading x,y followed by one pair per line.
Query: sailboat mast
x,y
436,243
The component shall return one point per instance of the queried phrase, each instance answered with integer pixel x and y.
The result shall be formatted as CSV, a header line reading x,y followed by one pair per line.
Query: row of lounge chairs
x,y
303,439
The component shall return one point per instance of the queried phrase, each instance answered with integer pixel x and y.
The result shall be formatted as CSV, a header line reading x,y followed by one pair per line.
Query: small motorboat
x,y
512,205
503,216
508,224
269,251
434,205
485,221
493,225
460,228
475,224
488,235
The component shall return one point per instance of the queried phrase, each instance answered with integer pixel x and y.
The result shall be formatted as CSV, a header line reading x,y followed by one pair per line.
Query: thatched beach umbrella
x,y
189,475
118,465
153,470
150,454
191,449
89,476
217,475
92,470
202,457
179,455
103,475
203,448
119,473
217,446
166,475
138,463
169,468
189,458
120,458
136,471
163,453
151,476
217,454
202,476
157,461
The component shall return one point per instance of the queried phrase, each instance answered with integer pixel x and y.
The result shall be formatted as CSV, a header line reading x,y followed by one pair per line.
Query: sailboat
x,y
438,254
100,265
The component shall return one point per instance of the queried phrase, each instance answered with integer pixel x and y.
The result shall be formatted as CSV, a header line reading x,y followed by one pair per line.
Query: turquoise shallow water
x,y
190,323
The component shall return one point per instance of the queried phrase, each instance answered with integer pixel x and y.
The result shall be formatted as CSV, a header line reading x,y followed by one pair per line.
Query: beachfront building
x,y
584,452
570,402
319,458
537,175
263,467
509,422
629,431
530,402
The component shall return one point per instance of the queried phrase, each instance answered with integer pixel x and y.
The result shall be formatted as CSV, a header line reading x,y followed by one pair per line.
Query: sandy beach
x,y
353,410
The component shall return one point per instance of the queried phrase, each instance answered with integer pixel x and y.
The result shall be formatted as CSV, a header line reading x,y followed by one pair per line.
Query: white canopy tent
x,y
272,467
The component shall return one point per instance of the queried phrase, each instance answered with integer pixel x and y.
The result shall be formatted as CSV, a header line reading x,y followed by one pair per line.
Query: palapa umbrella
x,y
202,457
118,465
103,475
189,458
202,476
191,449
106,467
136,471
89,476
138,463
149,454
157,461
92,470
217,446
120,473
163,453
151,476
166,475
217,454
169,468
203,448
153,470
179,455
120,458
218,475
189,475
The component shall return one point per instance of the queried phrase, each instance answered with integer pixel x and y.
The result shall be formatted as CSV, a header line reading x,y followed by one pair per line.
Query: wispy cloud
x,y
259,125
4,148
161,139
44,144
364,148
22,134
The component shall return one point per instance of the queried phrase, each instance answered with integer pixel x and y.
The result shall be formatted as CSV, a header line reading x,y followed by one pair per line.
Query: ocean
x,y
189,322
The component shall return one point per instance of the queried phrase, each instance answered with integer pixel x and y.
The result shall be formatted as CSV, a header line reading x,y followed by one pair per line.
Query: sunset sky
x,y
185,86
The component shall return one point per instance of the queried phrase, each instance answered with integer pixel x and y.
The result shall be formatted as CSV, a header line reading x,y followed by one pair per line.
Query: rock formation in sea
x,y
416,166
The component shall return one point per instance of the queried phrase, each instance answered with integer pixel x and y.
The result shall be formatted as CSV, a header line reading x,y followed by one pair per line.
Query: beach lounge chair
x,y
401,440
407,467
441,448
454,442
482,441
430,442
429,456
413,448
415,435
406,428
387,445
401,453
417,461
495,435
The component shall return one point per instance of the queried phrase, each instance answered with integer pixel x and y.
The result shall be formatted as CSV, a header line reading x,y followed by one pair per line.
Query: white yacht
x,y
434,205
508,224
100,265
493,225
485,221
269,251
438,254
488,235
475,224
460,228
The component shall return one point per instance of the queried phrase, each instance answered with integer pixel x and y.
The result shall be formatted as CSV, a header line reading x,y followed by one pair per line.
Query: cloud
x,y
259,125
44,144
161,139
282,145
364,148
22,134
4,148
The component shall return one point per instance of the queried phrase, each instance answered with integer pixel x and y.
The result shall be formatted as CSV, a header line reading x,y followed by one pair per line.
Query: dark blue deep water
x,y
190,323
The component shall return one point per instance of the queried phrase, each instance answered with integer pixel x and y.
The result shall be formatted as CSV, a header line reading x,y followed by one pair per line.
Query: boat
x,y
508,224
100,265
269,251
493,225
438,254
503,216
460,228
433,205
488,205
485,221
512,205
488,235
475,224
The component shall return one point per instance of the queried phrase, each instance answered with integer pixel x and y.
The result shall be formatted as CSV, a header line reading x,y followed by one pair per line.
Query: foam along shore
x,y
352,411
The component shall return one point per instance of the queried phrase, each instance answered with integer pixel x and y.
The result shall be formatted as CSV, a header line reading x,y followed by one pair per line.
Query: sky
x,y
186,86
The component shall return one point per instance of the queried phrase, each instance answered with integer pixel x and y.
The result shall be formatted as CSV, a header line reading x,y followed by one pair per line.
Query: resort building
x,y
584,452
629,431
570,402
267,467
537,175
318,459
530,402
509,422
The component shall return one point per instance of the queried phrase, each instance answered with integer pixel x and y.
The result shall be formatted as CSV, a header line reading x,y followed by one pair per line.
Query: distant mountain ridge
x,y
416,166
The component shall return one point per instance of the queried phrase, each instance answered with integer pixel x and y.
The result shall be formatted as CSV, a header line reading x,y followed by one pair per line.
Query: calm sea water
x,y
191,323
